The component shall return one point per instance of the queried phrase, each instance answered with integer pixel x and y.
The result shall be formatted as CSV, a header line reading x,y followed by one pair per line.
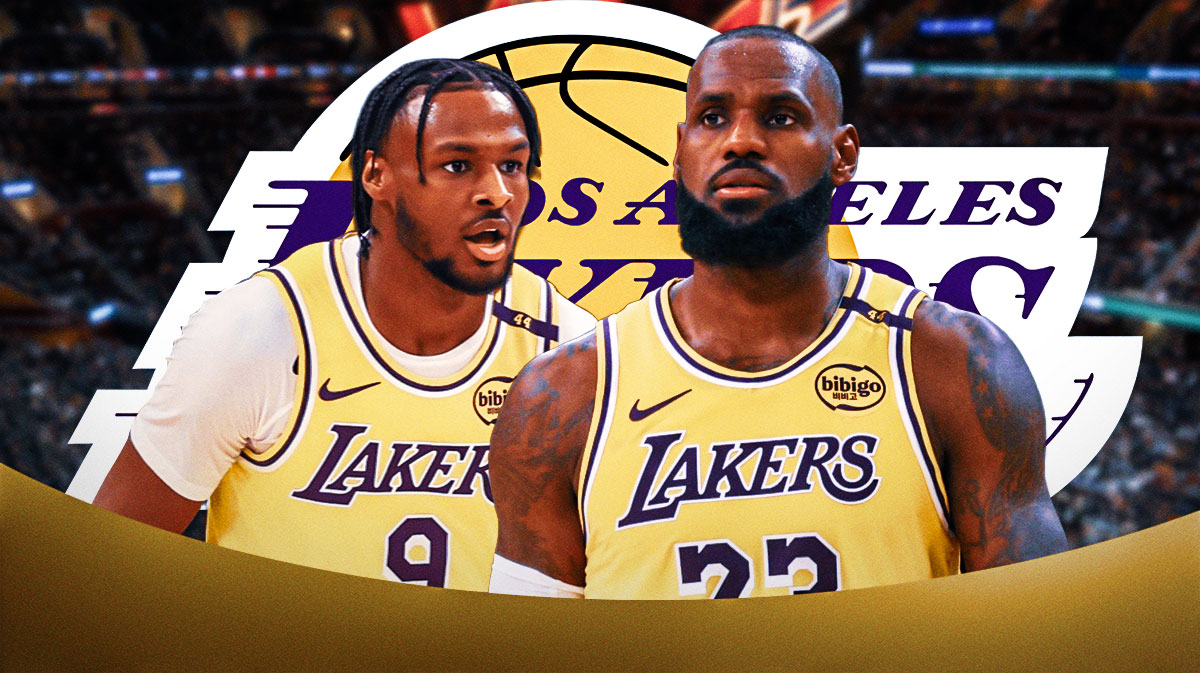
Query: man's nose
x,y
492,190
745,138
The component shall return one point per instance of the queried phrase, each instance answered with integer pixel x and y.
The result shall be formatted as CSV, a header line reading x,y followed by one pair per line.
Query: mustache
x,y
743,162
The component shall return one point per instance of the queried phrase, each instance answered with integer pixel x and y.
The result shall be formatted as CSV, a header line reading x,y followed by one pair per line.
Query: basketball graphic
x,y
615,104
601,223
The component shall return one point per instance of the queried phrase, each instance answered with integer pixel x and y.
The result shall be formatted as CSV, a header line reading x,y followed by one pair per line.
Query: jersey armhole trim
x,y
910,407
602,411
303,392
548,316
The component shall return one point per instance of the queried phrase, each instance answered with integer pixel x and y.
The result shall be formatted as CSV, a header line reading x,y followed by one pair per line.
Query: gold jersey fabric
x,y
817,475
379,472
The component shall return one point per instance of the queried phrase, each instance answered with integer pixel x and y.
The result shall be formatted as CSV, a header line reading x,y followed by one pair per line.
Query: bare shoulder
x,y
550,393
988,427
958,357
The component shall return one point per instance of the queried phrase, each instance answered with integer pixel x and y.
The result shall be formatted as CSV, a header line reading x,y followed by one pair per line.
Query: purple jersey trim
x,y
874,315
306,387
664,323
909,409
344,297
535,326
548,316
604,328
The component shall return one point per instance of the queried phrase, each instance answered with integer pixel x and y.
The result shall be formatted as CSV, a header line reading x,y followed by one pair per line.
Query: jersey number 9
x,y
418,552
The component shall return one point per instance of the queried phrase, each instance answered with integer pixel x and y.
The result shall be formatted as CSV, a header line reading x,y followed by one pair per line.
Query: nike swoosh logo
x,y
330,395
636,414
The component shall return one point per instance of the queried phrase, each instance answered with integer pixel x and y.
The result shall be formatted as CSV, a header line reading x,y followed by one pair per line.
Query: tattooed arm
x,y
988,428
534,459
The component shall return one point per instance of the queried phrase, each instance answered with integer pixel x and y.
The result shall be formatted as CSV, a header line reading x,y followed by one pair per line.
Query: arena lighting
x,y
164,175
1186,317
61,77
17,189
974,25
889,68
101,312
1034,71
1174,73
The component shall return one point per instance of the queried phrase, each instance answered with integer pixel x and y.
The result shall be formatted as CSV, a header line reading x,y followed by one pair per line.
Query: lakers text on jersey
x,y
380,472
817,475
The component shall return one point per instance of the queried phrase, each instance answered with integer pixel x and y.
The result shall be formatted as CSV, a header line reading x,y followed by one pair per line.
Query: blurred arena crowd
x,y
117,178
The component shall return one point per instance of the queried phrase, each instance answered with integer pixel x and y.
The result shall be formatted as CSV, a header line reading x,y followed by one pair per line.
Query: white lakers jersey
x,y
380,472
817,475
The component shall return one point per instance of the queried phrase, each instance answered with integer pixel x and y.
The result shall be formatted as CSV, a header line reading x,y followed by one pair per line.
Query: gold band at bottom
x,y
84,589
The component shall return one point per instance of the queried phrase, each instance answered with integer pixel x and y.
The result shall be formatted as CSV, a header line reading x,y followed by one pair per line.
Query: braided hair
x,y
401,86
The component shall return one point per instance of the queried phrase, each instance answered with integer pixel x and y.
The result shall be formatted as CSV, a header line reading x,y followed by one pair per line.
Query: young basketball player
x,y
335,409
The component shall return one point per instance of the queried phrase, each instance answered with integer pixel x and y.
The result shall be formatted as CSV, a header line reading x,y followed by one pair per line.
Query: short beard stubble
x,y
443,268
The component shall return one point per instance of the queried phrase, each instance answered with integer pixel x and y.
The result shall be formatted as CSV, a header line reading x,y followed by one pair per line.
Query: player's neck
x,y
754,319
411,309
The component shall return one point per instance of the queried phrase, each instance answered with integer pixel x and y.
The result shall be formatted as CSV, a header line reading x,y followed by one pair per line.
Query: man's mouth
x,y
743,183
487,240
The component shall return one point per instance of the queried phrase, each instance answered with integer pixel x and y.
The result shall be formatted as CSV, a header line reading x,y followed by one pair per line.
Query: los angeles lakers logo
x,y
850,387
608,82
489,397
607,108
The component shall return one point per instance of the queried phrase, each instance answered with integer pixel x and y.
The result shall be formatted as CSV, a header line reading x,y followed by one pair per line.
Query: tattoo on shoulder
x,y
1014,521
537,418
1008,408
939,314
536,448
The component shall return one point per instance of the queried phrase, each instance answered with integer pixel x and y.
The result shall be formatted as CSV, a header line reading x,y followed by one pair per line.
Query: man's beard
x,y
782,231
443,268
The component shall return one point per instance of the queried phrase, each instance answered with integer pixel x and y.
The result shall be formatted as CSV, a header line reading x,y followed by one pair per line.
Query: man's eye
x,y
781,119
712,118
511,166
457,166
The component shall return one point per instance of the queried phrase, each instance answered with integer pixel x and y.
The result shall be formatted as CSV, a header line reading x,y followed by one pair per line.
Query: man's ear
x,y
375,175
845,154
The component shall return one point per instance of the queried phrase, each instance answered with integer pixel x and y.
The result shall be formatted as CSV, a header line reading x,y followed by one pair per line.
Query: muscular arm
x,y
989,430
132,489
534,459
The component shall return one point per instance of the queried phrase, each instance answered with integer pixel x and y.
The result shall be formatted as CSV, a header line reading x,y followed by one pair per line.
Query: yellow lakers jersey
x,y
379,472
817,475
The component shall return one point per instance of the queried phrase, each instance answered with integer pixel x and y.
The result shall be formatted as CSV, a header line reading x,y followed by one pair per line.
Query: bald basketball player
x,y
335,409
779,423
